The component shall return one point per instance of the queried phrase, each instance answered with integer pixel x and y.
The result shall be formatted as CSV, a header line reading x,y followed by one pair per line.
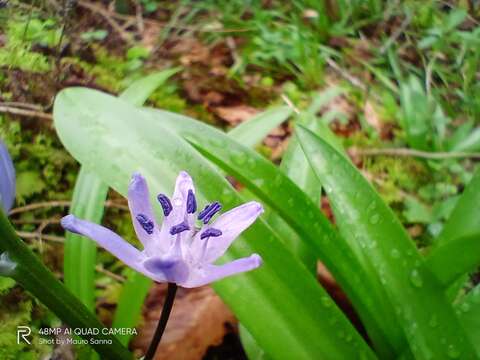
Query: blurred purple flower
x,y
7,179
178,252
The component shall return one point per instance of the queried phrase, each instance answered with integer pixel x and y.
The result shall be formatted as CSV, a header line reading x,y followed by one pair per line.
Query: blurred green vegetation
x,y
416,63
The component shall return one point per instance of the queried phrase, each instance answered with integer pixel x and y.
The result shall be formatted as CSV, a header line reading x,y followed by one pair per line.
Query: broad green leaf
x,y
464,219
97,129
254,352
138,92
279,193
251,132
455,258
415,294
38,280
468,310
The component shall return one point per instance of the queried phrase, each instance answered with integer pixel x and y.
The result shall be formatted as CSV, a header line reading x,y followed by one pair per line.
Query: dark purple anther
x,y
166,204
146,223
209,211
210,232
191,202
177,229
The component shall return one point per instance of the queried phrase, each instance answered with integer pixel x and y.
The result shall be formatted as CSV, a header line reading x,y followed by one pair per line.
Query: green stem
x,y
162,323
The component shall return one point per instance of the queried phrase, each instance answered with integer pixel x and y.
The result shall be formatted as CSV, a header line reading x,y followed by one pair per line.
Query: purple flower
x,y
7,179
178,251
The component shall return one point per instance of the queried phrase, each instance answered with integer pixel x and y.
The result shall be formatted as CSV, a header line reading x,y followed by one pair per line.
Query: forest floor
x,y
407,110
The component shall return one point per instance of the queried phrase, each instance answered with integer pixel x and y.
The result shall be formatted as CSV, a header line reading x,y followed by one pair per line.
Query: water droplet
x,y
259,182
395,253
453,352
372,206
7,265
416,279
328,189
465,307
374,219
433,321
240,158
325,300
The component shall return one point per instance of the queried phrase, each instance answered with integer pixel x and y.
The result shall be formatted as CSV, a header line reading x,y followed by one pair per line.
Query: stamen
x,y
166,204
191,202
210,232
146,223
214,209
209,211
177,229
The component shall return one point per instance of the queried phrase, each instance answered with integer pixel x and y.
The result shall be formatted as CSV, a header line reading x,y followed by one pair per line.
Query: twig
x,y
124,35
60,203
117,16
114,276
139,17
23,112
35,235
22,105
396,34
352,79
290,103
404,152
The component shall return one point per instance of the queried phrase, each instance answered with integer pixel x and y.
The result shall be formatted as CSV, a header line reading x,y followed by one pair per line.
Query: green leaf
x,y
279,193
37,279
465,215
97,130
455,258
416,114
468,310
254,352
139,91
381,241
251,132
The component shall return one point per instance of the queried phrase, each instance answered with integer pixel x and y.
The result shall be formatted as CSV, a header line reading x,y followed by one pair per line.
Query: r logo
x,y
22,333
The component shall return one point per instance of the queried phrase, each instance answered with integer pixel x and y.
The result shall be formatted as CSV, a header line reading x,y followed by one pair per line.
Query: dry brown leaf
x,y
197,322
235,114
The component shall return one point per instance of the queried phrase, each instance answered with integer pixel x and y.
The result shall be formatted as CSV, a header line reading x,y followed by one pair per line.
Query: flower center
x,y
177,229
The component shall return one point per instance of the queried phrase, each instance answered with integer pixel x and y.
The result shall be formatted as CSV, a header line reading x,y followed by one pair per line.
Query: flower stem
x,y
162,323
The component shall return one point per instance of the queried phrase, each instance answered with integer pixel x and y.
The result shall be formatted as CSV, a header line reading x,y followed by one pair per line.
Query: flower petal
x,y
143,218
231,224
213,273
106,239
7,179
